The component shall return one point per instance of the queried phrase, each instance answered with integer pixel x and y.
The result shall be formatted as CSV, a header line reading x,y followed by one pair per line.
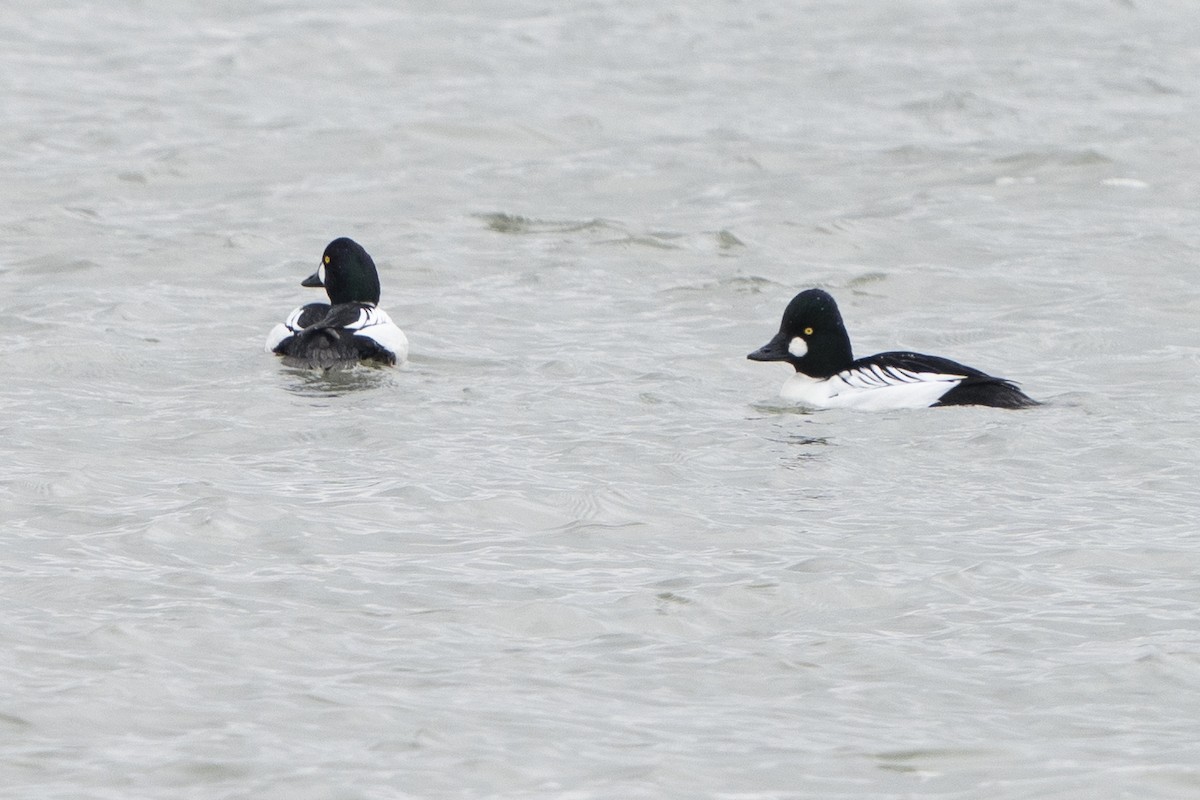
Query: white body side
x,y
375,324
281,331
870,388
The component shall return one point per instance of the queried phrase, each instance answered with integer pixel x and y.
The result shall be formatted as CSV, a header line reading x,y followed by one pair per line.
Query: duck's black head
x,y
811,337
347,273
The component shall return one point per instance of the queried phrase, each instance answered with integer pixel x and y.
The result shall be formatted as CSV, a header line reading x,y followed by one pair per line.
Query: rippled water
x,y
576,548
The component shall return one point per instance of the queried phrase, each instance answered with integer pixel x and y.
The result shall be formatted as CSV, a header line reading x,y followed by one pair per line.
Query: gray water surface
x,y
577,548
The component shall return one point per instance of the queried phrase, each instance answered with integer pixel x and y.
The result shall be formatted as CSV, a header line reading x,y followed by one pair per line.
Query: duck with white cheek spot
x,y
350,328
813,339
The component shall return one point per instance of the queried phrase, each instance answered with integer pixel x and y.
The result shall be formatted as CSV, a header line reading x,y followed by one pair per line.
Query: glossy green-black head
x,y
347,273
812,337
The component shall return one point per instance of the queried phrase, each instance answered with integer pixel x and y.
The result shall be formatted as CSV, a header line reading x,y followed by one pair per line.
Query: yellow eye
x,y
326,259
807,331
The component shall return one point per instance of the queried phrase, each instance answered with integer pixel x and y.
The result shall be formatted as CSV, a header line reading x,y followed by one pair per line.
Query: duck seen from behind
x,y
347,330
813,339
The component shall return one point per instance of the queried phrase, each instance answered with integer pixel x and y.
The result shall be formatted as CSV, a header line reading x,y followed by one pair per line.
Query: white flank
x,y
375,324
284,329
372,323
797,347
871,388
277,335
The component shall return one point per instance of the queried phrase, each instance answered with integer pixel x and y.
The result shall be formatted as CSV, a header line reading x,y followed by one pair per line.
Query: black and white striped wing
x,y
297,321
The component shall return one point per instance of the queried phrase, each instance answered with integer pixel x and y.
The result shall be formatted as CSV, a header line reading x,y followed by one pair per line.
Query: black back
x,y
987,391
324,342
976,389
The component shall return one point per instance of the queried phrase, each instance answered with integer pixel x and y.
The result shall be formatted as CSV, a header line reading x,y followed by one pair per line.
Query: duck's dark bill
x,y
313,280
774,350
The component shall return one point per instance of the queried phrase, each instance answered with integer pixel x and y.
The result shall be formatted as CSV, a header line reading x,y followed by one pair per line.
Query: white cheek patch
x,y
321,272
798,347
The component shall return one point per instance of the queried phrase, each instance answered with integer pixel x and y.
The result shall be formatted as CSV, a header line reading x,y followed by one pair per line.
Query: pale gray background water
x,y
576,548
